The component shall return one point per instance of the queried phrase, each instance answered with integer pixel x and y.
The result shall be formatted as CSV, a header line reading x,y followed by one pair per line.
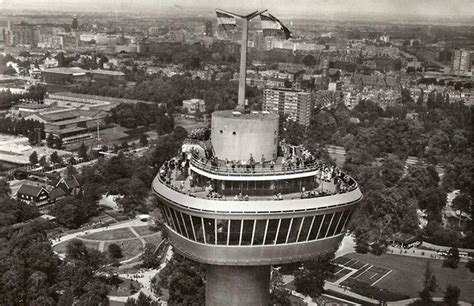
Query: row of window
x,y
257,188
256,232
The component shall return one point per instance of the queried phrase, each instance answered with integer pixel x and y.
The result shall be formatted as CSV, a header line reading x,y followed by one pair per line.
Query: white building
x,y
193,105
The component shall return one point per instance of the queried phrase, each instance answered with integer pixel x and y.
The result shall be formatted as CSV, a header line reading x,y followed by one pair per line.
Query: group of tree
x,y
20,127
54,142
377,147
5,68
173,90
140,114
430,284
185,281
34,93
32,274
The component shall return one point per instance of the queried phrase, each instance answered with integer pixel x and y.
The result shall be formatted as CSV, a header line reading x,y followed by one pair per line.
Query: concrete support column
x,y
237,285
243,64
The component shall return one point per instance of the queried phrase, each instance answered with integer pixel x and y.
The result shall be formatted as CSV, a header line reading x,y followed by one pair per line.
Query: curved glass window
x,y
247,232
235,230
210,230
222,230
283,232
260,227
294,230
340,226
334,224
325,226
315,227
178,222
255,232
305,229
189,226
271,231
348,219
197,225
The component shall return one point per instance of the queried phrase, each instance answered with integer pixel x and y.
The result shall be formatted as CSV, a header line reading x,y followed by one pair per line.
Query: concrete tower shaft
x,y
236,135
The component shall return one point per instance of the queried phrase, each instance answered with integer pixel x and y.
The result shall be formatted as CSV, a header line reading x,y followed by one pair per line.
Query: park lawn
x,y
61,248
407,274
115,234
143,230
155,239
130,248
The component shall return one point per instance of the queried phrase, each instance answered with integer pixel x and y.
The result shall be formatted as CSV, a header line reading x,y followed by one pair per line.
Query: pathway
x,y
436,299
128,223
145,281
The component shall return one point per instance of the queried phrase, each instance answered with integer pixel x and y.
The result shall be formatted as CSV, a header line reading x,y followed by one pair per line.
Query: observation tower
x,y
251,202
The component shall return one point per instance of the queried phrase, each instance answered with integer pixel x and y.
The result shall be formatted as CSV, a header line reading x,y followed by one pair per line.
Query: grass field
x,y
61,248
407,274
120,233
130,248
143,230
155,239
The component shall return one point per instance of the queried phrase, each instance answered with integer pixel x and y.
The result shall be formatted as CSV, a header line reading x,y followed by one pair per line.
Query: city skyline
x,y
347,8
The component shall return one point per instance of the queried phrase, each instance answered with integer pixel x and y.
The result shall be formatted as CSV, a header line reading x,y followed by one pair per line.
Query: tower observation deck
x,y
251,203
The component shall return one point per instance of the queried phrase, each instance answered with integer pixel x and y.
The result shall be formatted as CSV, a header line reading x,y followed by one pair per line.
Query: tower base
x,y
237,285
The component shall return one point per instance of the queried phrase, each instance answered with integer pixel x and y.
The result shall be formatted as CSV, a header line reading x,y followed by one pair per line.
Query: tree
x,y
82,151
310,280
185,283
115,251
470,265
142,300
451,295
96,293
198,115
70,171
149,258
55,159
34,158
180,133
278,293
143,140
43,163
429,286
67,298
452,260
463,202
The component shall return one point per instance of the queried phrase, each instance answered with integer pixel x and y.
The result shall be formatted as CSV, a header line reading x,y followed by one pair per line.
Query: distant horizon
x,y
393,9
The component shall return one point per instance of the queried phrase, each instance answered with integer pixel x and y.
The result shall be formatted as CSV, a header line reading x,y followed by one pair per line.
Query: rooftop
x,y
71,121
31,190
245,115
70,130
65,95
108,72
66,70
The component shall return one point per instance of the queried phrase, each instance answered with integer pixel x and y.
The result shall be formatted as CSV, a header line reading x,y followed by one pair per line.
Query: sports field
x,y
406,274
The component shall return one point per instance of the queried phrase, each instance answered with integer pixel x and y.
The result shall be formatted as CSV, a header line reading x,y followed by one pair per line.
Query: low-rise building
x,y
64,75
100,75
193,105
32,194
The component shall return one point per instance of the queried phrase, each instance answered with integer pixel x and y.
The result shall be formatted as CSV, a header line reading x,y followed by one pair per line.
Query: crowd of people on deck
x,y
291,160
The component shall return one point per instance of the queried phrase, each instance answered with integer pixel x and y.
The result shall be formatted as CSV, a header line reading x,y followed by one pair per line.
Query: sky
x,y
296,8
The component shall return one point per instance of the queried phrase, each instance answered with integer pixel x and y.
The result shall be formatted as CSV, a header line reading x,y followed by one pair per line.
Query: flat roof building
x,y
64,75
193,105
87,102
